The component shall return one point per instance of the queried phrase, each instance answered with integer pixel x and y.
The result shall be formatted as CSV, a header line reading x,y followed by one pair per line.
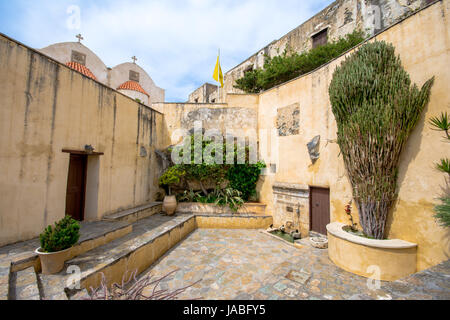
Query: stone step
x,y
53,286
23,285
135,214
21,256
133,251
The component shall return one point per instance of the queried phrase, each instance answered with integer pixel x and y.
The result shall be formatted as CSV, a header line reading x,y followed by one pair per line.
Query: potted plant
x,y
56,243
171,177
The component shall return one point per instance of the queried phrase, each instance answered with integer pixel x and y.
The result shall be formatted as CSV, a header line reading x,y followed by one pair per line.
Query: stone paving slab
x,y
4,279
25,285
246,264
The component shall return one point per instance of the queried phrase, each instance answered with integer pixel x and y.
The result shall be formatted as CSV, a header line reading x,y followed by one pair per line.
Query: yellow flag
x,y
218,75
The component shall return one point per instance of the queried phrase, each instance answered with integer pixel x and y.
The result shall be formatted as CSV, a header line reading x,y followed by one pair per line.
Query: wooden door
x,y
319,209
76,187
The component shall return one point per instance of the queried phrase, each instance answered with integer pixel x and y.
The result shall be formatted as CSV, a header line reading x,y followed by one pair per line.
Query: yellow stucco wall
x,y
44,108
422,41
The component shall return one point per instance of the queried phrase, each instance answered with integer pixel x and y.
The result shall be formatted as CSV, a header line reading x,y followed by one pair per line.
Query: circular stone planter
x,y
53,262
318,242
387,260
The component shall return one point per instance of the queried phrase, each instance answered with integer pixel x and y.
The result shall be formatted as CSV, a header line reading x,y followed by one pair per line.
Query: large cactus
x,y
376,108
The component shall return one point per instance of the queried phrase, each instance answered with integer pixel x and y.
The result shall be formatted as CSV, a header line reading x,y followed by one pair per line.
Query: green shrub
x,y
189,196
62,236
288,66
241,178
376,108
229,197
244,177
172,176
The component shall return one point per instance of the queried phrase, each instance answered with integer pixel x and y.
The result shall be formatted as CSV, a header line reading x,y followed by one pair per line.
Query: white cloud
x,y
175,41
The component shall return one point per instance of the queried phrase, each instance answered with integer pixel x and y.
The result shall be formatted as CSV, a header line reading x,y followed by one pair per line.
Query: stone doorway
x,y
319,209
76,186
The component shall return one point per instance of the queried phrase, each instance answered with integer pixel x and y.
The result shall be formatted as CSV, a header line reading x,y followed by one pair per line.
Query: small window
x,y
213,101
320,38
134,76
196,100
248,69
78,57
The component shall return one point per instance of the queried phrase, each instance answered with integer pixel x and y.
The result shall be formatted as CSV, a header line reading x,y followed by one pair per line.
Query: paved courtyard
x,y
247,264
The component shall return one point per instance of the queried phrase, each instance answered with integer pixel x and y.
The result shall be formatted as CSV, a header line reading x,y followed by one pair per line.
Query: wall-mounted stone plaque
x,y
78,57
134,76
288,120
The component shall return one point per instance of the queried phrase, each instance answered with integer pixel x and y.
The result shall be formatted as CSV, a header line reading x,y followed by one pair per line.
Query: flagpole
x,y
218,86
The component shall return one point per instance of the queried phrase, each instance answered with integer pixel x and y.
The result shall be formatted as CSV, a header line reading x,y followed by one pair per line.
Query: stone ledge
x,y
296,243
290,186
250,209
134,214
92,235
336,230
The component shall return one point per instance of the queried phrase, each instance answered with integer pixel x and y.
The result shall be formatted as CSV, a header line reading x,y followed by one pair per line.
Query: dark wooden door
x,y
320,209
76,186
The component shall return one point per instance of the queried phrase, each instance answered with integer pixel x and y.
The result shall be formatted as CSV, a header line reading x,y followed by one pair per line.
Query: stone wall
x,y
47,107
291,204
203,94
339,18
226,118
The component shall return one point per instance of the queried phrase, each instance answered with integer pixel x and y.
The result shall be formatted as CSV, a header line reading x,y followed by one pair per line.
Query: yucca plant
x,y
376,108
442,210
444,166
441,123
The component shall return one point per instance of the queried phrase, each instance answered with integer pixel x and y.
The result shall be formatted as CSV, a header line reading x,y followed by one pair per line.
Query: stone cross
x,y
134,59
79,37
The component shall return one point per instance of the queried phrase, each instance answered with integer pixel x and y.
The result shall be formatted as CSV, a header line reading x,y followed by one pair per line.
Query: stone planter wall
x,y
395,259
258,209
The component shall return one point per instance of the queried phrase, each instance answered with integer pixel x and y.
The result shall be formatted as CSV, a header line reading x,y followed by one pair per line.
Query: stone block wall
x,y
339,18
291,203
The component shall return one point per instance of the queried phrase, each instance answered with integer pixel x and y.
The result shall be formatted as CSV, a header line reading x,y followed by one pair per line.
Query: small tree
x,y
376,108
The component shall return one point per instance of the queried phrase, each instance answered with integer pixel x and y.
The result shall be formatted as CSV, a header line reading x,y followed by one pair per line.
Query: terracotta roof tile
x,y
132,85
82,69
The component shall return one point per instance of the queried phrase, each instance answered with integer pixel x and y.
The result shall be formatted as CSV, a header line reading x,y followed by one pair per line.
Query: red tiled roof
x,y
82,69
132,85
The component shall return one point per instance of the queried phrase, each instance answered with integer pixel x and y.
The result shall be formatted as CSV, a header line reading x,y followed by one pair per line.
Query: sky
x,y
175,41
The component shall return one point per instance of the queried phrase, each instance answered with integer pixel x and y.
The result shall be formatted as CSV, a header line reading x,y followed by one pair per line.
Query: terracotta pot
x,y
53,262
170,205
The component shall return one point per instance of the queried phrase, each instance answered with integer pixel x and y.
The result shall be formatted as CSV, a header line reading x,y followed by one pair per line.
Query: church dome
x,y
133,86
82,69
